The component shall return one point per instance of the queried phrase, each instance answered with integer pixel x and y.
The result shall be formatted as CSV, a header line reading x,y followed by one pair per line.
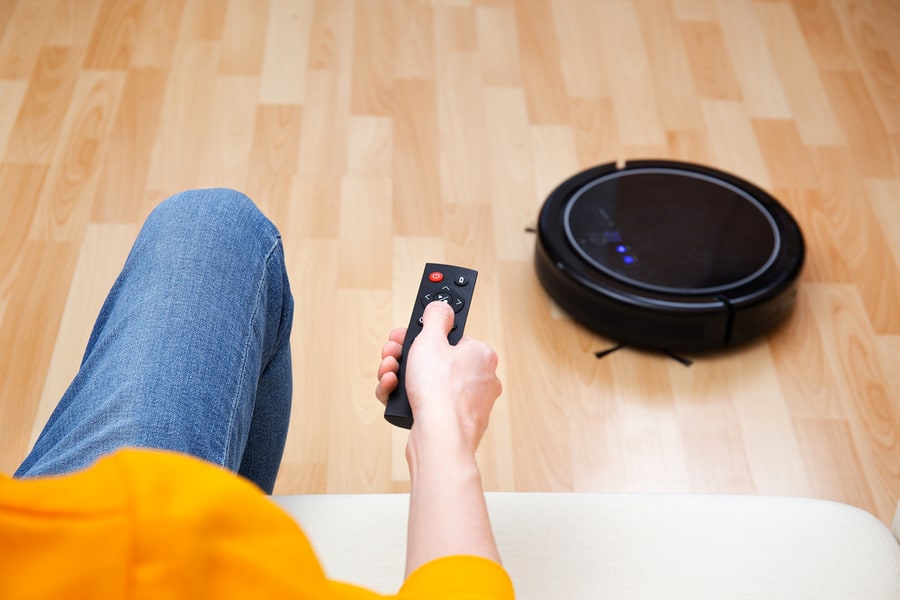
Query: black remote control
x,y
440,283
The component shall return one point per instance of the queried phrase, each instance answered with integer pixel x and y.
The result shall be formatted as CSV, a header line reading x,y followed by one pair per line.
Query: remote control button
x,y
446,297
442,296
432,297
436,277
461,281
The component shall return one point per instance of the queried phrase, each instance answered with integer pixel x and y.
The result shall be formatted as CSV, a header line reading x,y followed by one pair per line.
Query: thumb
x,y
437,319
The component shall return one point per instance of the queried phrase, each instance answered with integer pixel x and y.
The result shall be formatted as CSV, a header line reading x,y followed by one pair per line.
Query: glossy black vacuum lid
x,y
671,230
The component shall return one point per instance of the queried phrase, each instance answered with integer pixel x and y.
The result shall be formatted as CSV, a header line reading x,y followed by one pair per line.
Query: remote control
x,y
440,283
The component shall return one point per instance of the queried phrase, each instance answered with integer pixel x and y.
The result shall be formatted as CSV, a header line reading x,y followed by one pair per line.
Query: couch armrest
x,y
575,546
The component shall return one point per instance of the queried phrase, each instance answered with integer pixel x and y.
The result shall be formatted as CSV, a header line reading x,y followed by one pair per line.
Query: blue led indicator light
x,y
628,259
621,249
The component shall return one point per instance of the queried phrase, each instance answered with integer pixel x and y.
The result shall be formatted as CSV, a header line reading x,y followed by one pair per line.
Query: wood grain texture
x,y
381,134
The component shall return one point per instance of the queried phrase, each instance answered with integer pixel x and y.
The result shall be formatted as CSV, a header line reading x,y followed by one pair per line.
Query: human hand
x,y
449,387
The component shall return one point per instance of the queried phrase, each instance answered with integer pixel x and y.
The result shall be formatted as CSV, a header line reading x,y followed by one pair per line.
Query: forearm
x,y
447,511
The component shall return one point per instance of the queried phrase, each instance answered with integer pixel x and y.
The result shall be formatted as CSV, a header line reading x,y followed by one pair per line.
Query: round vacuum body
x,y
668,255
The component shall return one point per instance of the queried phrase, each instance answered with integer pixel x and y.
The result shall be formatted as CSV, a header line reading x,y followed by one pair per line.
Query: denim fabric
x,y
191,351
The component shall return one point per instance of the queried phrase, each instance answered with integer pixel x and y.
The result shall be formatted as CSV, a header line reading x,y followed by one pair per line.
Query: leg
x,y
191,350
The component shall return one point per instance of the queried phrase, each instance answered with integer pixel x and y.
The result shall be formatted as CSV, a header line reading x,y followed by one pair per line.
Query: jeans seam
x,y
243,369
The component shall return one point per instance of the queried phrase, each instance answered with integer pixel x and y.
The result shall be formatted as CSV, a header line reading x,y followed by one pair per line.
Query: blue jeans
x,y
191,351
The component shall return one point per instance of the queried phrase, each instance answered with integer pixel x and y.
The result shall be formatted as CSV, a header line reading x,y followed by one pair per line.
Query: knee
x,y
190,205
218,212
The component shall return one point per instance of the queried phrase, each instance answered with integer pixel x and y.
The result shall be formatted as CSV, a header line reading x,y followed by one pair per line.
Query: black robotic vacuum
x,y
668,255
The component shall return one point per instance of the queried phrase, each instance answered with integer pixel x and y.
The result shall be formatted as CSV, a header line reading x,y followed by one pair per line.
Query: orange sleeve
x,y
141,524
144,524
448,578
468,577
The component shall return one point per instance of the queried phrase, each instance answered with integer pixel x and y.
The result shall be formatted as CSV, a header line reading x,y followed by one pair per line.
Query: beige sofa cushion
x,y
579,546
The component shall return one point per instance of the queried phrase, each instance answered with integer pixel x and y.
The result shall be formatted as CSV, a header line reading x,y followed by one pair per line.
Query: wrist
x,y
447,515
436,449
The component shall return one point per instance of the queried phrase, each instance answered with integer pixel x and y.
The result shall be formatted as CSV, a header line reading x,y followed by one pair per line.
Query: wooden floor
x,y
379,135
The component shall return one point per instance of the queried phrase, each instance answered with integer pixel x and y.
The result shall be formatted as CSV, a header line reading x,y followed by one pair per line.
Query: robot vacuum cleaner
x,y
668,256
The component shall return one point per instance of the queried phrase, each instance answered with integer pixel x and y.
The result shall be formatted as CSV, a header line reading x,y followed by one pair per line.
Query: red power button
x,y
436,276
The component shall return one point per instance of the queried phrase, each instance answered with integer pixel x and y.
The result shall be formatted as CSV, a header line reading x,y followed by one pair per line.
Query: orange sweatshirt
x,y
146,524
